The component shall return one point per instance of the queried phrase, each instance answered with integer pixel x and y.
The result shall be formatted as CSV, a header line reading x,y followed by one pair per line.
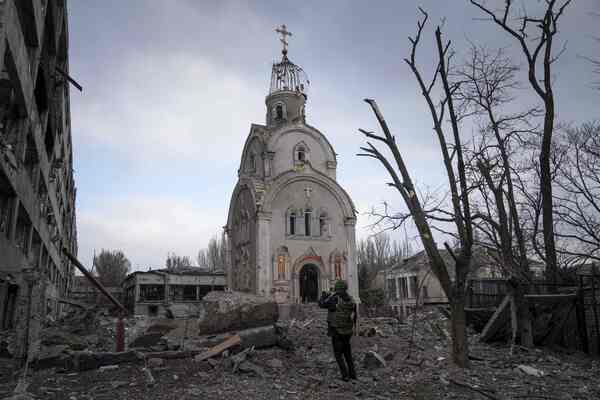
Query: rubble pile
x,y
407,360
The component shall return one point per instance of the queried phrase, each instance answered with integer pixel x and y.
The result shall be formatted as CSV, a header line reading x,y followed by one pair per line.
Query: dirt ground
x,y
417,367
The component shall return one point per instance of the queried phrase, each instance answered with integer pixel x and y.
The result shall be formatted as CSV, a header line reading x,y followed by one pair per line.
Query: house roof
x,y
194,271
420,261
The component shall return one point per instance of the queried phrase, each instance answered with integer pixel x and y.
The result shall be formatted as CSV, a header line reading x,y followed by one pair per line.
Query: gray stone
x,y
373,360
264,336
83,361
275,363
232,311
250,368
156,362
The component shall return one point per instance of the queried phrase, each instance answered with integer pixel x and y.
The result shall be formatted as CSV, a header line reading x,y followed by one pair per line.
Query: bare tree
x,y
454,163
174,261
578,200
538,52
112,267
488,80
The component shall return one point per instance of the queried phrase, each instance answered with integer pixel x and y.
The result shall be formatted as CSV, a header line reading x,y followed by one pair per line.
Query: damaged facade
x,y
176,291
291,226
37,190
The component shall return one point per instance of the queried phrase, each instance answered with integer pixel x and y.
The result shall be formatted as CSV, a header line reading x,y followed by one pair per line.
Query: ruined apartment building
x,y
169,291
37,191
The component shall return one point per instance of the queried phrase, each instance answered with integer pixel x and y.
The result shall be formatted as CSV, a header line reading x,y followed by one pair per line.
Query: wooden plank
x,y
558,321
581,322
497,321
218,349
551,297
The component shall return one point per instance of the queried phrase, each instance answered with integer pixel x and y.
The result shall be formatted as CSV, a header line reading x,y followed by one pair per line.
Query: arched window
x,y
292,223
307,217
301,154
281,267
252,163
337,267
323,225
279,111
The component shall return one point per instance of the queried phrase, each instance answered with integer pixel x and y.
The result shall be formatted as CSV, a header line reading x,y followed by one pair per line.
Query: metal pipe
x,y
94,281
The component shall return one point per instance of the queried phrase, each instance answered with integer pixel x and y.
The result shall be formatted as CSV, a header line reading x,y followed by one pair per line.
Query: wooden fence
x,y
579,313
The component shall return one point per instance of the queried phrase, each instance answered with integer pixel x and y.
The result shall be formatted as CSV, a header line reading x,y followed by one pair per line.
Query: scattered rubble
x,y
409,361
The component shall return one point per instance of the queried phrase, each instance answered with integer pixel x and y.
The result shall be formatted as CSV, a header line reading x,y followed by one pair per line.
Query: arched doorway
x,y
309,283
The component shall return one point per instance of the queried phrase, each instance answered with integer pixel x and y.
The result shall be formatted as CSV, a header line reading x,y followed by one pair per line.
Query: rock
x,y
118,384
233,311
108,368
156,362
373,360
530,370
83,360
275,363
54,337
285,343
264,336
52,356
147,340
249,367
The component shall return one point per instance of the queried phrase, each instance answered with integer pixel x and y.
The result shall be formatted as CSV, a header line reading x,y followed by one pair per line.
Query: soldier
x,y
341,320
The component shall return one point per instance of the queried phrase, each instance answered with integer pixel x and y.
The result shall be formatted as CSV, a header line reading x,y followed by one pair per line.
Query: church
x,y
291,226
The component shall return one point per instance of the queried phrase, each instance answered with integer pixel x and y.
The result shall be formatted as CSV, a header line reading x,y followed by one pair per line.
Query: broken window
x,y
31,159
9,306
403,287
182,292
41,92
7,202
23,230
391,286
414,287
153,311
36,248
152,292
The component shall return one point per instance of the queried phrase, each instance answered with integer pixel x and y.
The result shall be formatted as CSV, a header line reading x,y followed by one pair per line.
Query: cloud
x,y
164,107
146,228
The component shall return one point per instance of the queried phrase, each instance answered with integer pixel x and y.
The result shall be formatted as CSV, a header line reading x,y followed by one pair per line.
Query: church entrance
x,y
309,283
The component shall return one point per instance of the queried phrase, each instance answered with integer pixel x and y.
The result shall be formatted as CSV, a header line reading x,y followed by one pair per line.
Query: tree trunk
x,y
460,344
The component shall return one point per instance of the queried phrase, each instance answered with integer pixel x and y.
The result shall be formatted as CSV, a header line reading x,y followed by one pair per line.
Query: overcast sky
x,y
171,88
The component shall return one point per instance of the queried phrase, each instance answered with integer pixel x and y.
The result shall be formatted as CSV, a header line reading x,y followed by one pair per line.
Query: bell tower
x,y
288,91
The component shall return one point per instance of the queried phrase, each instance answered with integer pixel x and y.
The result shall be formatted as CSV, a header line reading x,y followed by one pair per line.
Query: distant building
x,y
37,189
291,225
413,278
162,291
83,291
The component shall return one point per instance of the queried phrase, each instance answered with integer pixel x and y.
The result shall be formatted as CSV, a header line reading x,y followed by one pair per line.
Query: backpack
x,y
343,321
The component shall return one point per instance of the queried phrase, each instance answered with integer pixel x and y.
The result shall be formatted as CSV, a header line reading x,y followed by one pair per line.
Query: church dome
x,y
288,90
287,76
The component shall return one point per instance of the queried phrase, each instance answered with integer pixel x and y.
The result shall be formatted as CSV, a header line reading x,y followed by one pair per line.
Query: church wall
x,y
284,144
298,245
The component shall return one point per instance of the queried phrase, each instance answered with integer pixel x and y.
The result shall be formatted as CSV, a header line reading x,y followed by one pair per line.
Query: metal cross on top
x,y
284,33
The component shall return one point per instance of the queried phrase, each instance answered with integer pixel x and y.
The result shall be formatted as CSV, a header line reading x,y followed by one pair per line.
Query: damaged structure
x,y
291,226
175,291
37,189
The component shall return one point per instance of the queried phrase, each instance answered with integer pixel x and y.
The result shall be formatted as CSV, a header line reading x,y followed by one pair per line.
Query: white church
x,y
291,226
